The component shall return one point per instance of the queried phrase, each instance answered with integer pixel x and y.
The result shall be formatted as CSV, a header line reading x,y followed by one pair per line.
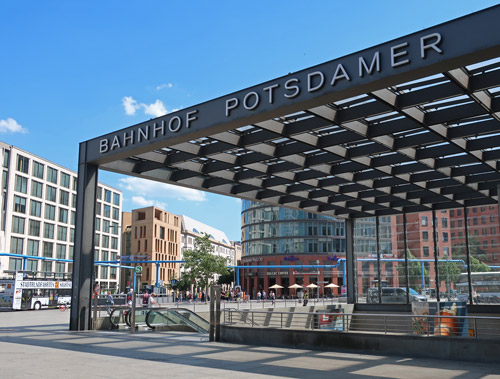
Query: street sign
x,y
138,269
173,282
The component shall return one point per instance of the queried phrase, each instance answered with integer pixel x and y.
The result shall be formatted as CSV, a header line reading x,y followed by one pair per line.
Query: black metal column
x,y
467,251
405,247
379,269
349,238
436,253
83,260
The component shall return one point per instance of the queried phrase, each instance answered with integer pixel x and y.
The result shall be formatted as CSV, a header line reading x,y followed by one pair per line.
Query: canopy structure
x,y
405,126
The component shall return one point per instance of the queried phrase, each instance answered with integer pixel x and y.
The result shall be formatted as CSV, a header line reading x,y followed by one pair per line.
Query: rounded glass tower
x,y
276,236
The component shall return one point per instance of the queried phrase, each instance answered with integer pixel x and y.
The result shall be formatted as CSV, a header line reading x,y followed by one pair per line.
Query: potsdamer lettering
x,y
318,79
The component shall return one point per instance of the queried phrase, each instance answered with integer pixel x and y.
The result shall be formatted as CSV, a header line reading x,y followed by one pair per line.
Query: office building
x,y
38,217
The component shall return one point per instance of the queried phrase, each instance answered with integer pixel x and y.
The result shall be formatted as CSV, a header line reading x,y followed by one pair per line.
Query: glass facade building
x,y
274,235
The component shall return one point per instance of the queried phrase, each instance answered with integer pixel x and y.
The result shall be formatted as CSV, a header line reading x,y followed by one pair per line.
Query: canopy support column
x,y
83,261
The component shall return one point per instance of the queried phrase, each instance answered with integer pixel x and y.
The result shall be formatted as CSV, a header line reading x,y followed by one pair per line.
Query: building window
x,y
445,237
52,175
73,200
36,208
38,170
60,267
99,193
36,189
107,196
15,264
73,218
47,266
426,251
75,183
21,184
19,204
114,243
17,225
72,235
51,194
107,211
105,241
61,251
116,214
63,215
444,222
425,236
16,245
6,154
97,224
424,221
105,226
65,180
116,198
22,164
34,228
62,233
48,230
64,197
48,249
33,248
114,228
50,212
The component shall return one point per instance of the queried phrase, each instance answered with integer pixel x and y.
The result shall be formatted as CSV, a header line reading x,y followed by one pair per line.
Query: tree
x,y
414,272
202,263
477,255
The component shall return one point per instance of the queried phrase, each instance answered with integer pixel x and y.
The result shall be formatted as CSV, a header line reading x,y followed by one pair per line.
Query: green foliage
x,y
477,255
477,266
202,263
414,272
449,271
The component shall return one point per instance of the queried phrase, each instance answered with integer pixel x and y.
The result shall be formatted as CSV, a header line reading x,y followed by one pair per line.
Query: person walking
x,y
109,302
306,298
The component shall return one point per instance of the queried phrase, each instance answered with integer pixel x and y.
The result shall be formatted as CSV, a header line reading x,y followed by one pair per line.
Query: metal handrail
x,y
477,326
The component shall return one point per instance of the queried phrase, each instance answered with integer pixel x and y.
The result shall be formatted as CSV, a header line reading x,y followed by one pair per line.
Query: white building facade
x,y
190,229
38,217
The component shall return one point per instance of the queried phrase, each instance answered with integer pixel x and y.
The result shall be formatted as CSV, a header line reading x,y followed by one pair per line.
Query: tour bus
x,y
485,287
32,290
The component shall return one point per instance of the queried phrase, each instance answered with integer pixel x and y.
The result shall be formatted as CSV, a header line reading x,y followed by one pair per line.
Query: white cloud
x,y
164,85
156,190
130,105
11,126
156,109
142,202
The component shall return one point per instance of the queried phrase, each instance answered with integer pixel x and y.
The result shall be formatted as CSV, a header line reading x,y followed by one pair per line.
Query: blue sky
x,y
71,71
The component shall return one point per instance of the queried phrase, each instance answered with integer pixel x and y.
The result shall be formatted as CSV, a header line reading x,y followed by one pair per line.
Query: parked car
x,y
393,295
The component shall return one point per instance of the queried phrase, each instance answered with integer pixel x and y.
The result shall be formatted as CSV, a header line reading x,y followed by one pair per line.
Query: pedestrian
x,y
259,295
109,302
264,295
306,298
145,299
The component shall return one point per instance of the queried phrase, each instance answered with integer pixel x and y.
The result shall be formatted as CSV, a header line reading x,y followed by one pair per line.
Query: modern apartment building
x,y
38,217
154,235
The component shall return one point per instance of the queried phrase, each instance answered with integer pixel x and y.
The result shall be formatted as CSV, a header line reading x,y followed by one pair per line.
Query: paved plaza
x,y
39,345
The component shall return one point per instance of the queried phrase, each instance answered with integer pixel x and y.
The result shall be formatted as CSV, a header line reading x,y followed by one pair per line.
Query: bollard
x,y
132,315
